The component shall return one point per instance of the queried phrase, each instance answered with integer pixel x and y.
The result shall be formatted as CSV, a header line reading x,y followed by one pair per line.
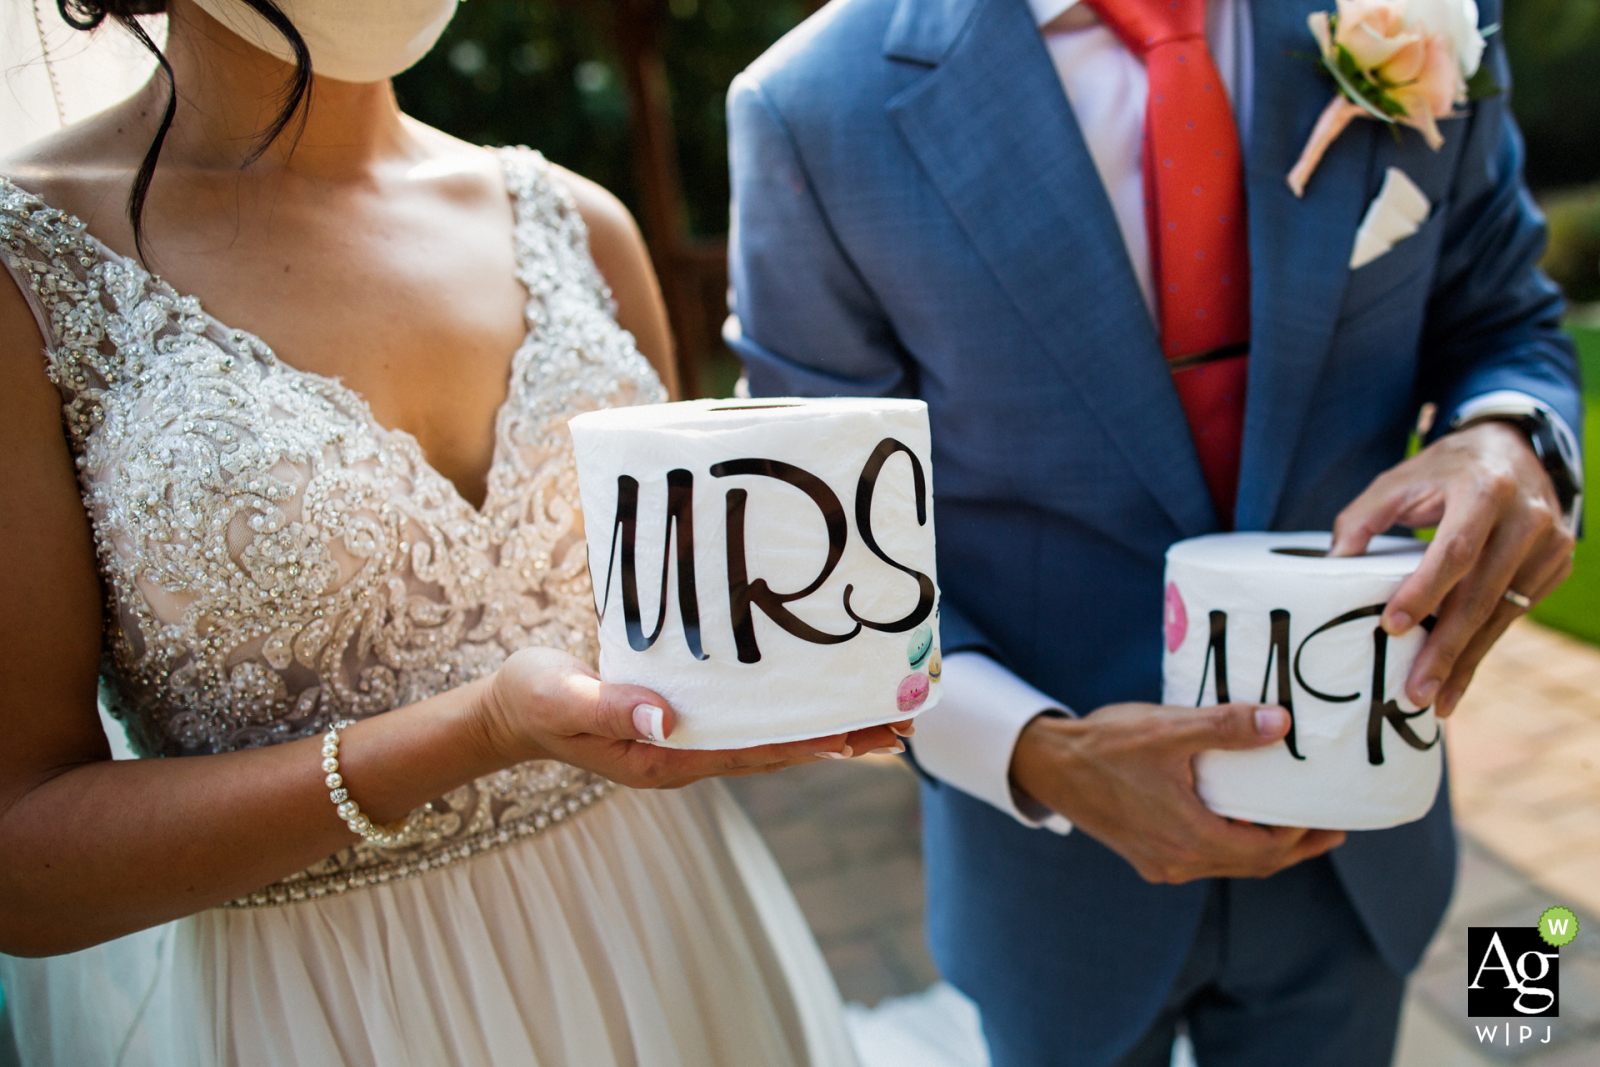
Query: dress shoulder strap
x,y
44,251
552,239
98,312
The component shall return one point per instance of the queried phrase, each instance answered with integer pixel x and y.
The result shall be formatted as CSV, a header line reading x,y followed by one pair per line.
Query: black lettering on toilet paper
x,y
864,489
1277,650
743,594
1381,710
1388,710
1216,646
1349,616
680,518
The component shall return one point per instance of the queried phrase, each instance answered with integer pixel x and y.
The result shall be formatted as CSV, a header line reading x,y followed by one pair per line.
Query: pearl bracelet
x,y
394,835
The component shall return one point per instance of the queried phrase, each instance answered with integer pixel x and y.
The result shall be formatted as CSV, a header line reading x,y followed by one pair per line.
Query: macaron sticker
x,y
934,666
921,644
913,692
1175,617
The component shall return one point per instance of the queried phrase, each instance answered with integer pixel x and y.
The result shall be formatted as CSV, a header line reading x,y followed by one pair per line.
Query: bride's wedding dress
x,y
274,560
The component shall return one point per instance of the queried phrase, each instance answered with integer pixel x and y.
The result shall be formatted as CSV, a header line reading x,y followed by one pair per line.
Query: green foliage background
x,y
1575,607
544,74
1554,46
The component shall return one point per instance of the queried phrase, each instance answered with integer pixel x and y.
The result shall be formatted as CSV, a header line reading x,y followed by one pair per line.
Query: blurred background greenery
x,y
630,93
549,74
1575,607
1554,47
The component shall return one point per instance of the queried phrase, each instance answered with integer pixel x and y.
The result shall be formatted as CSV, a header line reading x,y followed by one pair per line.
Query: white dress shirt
x,y
968,738
1106,86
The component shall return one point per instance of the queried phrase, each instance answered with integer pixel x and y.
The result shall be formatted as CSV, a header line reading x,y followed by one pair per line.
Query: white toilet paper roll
x,y
1267,617
765,565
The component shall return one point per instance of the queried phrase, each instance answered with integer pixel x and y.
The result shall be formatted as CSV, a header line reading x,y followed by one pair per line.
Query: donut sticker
x,y
1175,618
921,644
913,691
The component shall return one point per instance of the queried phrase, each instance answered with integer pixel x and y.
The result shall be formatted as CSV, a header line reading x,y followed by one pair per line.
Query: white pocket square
x,y
1399,208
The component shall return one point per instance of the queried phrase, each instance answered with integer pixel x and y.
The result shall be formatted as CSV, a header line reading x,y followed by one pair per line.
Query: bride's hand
x,y
545,704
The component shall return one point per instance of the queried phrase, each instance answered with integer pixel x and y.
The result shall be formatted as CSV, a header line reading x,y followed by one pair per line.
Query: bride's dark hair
x,y
88,14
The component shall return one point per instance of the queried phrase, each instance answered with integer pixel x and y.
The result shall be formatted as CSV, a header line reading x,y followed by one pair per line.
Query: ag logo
x,y
1511,971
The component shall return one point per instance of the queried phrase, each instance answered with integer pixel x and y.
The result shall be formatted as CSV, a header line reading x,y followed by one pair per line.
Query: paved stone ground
x,y
1524,750
1435,1030
846,835
1524,753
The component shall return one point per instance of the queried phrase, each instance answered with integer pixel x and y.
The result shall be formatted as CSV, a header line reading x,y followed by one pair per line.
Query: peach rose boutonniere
x,y
1402,62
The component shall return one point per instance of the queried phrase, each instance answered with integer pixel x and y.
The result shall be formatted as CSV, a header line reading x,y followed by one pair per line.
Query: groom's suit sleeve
x,y
806,323
1493,325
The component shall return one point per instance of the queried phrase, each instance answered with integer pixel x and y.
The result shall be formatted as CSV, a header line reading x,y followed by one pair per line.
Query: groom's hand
x,y
1499,528
1124,776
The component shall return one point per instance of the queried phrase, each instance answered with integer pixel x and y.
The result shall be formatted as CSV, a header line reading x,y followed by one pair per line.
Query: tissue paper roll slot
x,y
762,564
1268,617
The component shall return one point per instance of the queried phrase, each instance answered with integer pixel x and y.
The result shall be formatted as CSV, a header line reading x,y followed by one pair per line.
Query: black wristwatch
x,y
1553,449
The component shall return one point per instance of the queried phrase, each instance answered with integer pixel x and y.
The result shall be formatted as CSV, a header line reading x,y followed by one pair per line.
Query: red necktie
x,y
1195,212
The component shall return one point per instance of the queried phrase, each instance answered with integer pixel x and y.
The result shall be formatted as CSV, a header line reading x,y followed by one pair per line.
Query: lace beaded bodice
x,y
275,560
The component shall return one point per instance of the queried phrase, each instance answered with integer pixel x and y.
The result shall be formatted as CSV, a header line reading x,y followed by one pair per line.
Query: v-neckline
x,y
333,383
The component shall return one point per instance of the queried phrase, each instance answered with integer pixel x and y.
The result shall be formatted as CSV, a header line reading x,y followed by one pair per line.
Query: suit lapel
x,y
1299,249
997,138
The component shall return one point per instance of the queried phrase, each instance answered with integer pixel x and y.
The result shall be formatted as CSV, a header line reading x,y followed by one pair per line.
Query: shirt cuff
x,y
966,740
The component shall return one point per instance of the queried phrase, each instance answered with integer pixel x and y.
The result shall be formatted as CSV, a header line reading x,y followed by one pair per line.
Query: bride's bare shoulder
x,y
462,169
83,169
617,247
467,174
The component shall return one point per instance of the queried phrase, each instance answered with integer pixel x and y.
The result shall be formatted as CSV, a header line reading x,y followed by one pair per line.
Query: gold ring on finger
x,y
1518,599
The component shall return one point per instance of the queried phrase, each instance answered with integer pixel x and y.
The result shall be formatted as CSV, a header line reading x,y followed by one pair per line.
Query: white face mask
x,y
349,40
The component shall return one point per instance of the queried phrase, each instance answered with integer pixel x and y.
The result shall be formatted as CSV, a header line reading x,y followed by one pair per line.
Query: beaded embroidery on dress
x,y
275,560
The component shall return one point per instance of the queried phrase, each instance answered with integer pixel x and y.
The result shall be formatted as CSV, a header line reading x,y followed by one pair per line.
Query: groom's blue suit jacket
x,y
916,214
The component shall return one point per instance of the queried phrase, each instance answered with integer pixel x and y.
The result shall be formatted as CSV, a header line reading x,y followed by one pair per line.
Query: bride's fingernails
x,y
843,753
889,750
906,732
648,720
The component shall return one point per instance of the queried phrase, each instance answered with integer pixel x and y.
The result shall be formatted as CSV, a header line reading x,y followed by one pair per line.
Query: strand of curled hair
x,y
87,15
